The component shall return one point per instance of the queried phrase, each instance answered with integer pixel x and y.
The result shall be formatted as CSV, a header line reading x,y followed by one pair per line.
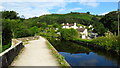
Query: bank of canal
x,y
79,55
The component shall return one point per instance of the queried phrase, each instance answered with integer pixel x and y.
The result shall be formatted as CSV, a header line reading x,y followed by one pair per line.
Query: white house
x,y
90,26
83,32
70,25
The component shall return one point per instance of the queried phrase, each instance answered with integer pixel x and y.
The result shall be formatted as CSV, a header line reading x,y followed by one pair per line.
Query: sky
x,y
37,8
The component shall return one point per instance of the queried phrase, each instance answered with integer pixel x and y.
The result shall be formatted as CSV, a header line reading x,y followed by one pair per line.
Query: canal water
x,y
79,55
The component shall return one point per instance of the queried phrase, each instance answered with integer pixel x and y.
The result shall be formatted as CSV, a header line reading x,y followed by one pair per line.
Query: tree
x,y
88,12
34,30
6,34
69,34
9,15
98,26
22,31
43,25
110,21
55,25
14,24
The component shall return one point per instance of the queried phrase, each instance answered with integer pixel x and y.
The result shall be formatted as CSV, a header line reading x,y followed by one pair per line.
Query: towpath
x,y
35,53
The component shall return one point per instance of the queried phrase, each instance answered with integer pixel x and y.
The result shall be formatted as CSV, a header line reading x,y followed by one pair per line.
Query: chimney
x,y
80,26
63,24
67,23
75,24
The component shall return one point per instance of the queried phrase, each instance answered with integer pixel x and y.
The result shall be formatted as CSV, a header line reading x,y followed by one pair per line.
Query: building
x,y
81,29
83,32
69,26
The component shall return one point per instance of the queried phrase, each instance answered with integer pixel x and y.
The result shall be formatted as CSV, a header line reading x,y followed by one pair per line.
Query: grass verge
x,y
109,43
59,57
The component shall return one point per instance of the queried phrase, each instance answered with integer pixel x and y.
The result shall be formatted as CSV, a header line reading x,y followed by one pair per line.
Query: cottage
x,y
70,26
83,32
81,29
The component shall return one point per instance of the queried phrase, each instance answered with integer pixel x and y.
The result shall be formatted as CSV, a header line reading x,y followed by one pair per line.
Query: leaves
x,y
69,34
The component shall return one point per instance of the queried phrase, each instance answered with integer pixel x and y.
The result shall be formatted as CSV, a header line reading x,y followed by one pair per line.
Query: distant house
x,y
69,26
93,35
90,26
81,29
83,32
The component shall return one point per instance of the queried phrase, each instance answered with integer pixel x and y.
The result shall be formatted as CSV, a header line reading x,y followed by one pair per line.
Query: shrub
x,y
69,34
108,42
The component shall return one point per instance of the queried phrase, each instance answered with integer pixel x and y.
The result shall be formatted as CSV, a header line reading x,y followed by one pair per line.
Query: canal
x,y
79,55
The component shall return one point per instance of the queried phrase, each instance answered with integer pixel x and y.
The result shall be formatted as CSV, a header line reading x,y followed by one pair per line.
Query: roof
x,y
80,29
68,25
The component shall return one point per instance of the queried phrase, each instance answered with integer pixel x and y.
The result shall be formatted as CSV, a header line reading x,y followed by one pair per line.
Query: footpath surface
x,y
36,53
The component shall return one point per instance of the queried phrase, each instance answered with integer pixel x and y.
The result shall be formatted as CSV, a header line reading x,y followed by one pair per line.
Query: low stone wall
x,y
28,38
14,42
8,55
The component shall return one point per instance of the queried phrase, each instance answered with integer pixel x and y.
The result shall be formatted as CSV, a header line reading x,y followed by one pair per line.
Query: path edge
x,y
51,47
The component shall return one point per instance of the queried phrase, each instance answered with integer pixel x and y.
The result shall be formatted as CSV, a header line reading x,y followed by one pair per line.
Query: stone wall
x,y
8,55
28,38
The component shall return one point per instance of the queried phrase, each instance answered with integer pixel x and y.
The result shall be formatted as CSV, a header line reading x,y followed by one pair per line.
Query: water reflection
x,y
79,55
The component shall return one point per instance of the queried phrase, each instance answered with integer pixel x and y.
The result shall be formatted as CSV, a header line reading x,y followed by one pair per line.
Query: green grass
x,y
0,48
110,42
59,57
82,40
4,47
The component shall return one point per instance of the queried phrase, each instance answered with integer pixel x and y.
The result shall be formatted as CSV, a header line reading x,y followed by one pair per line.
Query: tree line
x,y
13,26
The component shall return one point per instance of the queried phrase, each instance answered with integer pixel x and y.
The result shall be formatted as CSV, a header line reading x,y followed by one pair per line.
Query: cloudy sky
x,y
41,7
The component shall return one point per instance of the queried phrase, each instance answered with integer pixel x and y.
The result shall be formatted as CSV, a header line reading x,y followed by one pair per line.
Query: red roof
x,y
80,29
68,25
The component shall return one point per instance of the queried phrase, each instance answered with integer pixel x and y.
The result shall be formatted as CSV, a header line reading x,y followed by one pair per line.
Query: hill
x,y
110,21
81,18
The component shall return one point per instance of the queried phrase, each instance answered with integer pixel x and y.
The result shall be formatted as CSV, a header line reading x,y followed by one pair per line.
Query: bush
x,y
108,42
82,40
34,30
69,34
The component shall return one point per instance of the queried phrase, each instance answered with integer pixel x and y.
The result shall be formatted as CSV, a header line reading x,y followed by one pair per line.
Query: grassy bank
x,y
111,42
59,57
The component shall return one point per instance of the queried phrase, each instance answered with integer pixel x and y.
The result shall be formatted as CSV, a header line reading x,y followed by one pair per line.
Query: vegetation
x,y
73,48
109,42
110,21
6,34
16,27
0,44
67,46
82,40
68,34
59,57
0,35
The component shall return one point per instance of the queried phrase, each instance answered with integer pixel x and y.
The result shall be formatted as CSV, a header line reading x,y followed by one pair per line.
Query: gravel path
x,y
36,53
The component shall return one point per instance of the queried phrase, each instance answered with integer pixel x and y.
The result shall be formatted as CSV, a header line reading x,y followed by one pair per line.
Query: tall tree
x,y
9,15
110,21
6,34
